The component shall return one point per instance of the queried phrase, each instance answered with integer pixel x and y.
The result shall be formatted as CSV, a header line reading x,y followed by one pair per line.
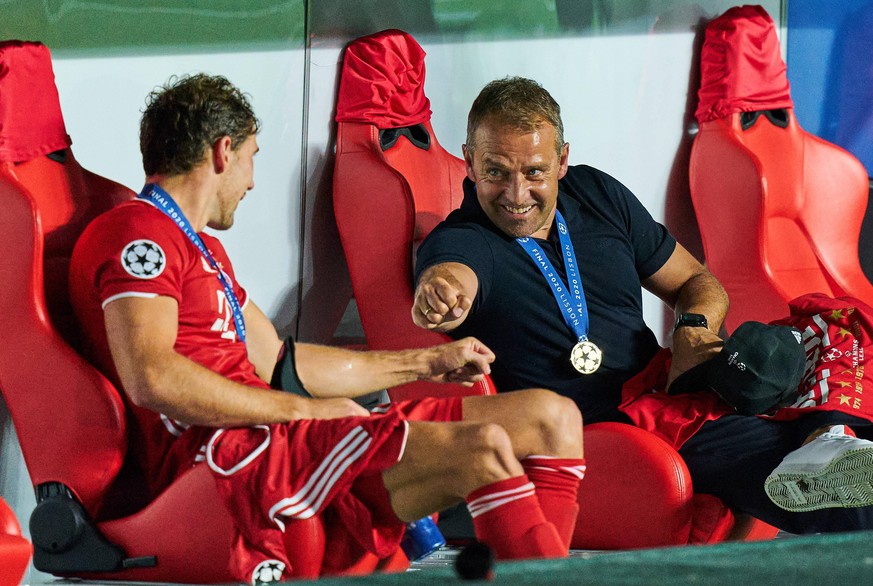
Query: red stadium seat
x,y
779,209
15,550
409,185
393,183
92,519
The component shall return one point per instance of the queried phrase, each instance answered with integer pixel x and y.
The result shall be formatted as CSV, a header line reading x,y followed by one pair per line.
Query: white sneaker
x,y
833,470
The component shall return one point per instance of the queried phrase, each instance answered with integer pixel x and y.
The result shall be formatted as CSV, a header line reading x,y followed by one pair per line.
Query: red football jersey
x,y
135,250
838,336
267,475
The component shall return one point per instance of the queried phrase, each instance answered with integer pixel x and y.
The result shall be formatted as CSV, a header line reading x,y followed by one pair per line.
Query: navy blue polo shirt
x,y
617,244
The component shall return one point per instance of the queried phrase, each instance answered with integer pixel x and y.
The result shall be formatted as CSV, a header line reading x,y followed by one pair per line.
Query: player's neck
x,y
191,194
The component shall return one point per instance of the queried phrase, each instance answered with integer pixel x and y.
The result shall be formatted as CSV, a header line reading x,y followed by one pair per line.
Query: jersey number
x,y
222,324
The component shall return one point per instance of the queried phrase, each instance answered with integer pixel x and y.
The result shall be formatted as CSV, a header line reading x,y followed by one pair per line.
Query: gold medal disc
x,y
586,357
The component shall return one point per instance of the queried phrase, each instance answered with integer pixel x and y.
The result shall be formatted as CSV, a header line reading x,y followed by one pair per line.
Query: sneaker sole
x,y
846,482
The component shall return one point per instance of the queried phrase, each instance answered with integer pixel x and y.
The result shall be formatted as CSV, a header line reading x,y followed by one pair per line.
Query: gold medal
x,y
586,357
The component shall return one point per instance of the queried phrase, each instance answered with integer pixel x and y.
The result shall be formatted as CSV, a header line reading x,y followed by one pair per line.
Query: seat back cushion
x,y
70,420
393,182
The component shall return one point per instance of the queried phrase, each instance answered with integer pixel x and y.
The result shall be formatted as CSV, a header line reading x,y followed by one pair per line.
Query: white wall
x,y
625,107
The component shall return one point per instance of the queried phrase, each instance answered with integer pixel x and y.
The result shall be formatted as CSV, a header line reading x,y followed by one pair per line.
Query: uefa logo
x,y
143,259
268,572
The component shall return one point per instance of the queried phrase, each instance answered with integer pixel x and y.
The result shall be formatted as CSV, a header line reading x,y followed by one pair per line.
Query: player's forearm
x,y
327,371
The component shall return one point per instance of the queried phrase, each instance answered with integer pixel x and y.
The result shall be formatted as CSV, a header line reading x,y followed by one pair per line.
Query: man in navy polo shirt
x,y
545,262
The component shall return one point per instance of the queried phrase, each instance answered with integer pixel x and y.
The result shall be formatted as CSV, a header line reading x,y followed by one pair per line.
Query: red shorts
x,y
430,409
328,468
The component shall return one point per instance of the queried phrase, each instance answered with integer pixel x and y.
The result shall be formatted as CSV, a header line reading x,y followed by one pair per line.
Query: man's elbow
x,y
143,397
145,387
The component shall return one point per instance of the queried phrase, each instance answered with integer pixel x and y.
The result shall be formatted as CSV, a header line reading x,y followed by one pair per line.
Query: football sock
x,y
843,429
507,517
557,482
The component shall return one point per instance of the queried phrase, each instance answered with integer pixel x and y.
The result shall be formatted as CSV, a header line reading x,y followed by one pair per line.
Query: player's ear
x,y
221,153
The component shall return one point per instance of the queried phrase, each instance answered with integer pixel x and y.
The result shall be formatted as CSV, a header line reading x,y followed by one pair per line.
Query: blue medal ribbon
x,y
163,201
570,295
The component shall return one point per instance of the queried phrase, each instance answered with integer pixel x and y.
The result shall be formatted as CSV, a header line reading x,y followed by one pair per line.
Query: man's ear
x,y
565,158
221,152
468,163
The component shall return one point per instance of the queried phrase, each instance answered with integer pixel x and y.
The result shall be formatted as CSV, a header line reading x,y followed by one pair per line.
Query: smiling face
x,y
237,180
516,174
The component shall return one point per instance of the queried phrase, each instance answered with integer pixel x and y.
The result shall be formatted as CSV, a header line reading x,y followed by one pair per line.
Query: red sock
x,y
557,484
846,430
507,516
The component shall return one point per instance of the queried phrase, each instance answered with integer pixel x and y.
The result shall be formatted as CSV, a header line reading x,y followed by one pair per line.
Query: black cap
x,y
759,369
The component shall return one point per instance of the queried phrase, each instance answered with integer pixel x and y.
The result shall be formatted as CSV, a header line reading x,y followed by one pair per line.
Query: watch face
x,y
694,320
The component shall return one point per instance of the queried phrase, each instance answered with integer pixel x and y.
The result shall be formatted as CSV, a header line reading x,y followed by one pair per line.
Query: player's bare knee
x,y
559,422
493,448
488,456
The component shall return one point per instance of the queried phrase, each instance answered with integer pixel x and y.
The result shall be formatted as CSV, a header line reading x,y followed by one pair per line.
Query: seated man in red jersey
x,y
167,321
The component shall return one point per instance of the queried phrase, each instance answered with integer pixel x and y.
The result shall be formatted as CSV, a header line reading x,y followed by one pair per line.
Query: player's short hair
x,y
186,116
516,102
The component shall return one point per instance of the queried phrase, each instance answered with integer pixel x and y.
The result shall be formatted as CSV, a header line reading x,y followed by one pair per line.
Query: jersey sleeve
x,y
141,258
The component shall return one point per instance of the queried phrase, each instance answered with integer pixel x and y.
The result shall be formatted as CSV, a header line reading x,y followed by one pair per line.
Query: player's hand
x,y
691,346
334,409
440,303
464,362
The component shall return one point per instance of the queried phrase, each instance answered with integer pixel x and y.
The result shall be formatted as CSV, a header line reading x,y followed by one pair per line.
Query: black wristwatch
x,y
691,320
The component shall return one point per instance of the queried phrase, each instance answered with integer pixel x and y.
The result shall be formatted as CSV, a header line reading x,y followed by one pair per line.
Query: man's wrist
x,y
690,320
423,363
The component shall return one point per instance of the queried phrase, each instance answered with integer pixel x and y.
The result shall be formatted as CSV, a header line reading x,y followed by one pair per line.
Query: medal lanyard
x,y
163,201
570,296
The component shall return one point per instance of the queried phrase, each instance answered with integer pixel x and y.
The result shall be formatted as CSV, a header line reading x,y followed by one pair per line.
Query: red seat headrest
x,y
741,66
382,81
31,123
